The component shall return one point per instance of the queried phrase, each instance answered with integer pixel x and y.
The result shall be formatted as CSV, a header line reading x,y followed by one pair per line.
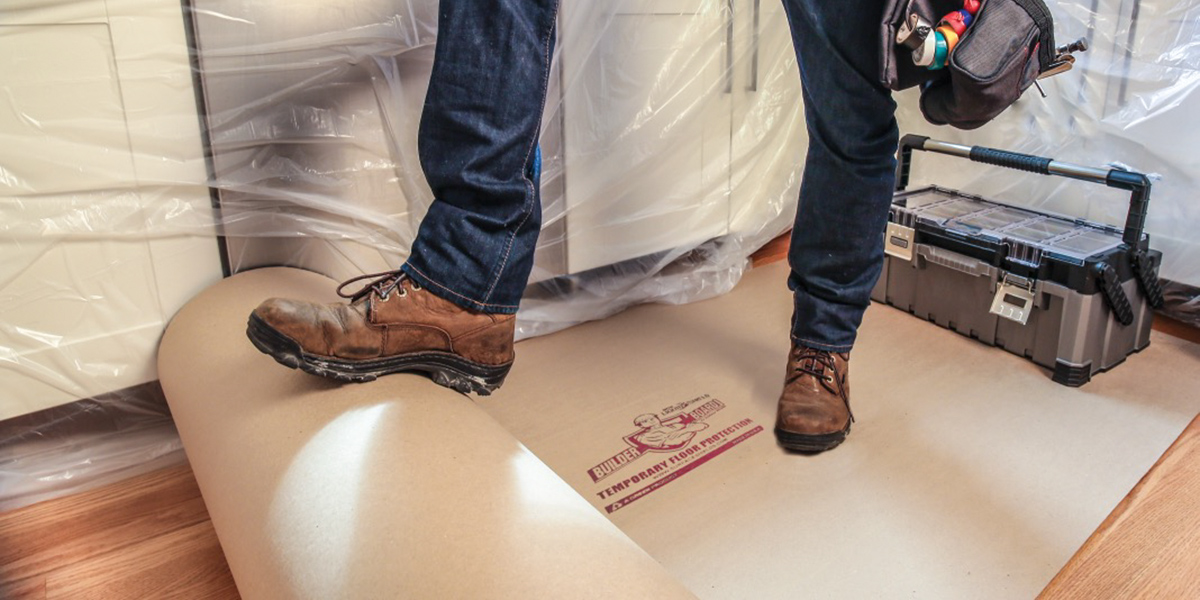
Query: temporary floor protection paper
x,y
968,473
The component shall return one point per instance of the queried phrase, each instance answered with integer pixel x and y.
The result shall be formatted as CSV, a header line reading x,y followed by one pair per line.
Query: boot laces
x,y
815,363
382,284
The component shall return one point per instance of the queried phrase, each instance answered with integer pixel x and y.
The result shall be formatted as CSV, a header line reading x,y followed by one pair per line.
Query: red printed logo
x,y
683,436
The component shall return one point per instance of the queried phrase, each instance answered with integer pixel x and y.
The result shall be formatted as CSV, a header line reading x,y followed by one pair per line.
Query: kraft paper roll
x,y
393,489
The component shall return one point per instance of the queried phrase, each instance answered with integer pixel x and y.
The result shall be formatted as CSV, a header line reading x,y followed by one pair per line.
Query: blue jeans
x,y
478,147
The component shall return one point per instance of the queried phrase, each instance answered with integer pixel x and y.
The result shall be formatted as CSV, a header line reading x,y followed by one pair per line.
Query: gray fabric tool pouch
x,y
1000,55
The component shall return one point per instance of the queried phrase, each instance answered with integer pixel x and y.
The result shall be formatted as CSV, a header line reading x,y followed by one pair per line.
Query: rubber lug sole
x,y
811,444
444,368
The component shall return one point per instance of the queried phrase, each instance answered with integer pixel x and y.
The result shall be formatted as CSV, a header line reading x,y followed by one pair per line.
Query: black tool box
x,y
1069,294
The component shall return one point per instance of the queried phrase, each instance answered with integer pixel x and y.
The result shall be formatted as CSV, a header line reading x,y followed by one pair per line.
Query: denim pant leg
x,y
478,148
836,250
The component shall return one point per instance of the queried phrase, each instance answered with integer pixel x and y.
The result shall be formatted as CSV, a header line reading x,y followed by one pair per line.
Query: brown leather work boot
x,y
814,408
391,325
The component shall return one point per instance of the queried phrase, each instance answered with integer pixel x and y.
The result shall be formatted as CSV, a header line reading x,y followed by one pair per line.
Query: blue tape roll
x,y
940,53
967,18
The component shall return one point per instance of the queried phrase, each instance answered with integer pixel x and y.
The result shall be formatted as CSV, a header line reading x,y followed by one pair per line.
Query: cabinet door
x,y
769,136
312,108
101,141
646,108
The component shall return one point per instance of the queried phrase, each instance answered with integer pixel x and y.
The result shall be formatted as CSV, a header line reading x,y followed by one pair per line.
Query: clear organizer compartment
x,y
977,217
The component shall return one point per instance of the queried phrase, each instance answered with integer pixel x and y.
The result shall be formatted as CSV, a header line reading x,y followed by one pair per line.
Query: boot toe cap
x,y
812,422
280,310
288,317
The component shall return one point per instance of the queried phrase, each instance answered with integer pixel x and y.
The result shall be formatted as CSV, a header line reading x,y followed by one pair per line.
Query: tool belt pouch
x,y
1006,46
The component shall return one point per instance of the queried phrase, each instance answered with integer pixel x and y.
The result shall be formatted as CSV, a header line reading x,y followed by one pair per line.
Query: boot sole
x,y
810,444
444,368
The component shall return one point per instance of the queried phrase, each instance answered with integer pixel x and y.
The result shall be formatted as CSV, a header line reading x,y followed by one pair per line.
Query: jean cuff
x,y
815,345
438,289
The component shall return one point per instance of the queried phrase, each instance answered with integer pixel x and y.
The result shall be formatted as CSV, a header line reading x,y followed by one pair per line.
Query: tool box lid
x,y
987,220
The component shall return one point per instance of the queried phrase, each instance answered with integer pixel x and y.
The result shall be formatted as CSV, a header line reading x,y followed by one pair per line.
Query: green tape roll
x,y
940,53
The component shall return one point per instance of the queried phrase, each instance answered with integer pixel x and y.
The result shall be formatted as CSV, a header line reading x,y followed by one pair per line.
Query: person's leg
x,y
448,310
837,242
836,250
478,148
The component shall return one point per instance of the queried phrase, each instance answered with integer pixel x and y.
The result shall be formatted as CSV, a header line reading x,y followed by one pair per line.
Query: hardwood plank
x,y
185,563
1149,546
1176,328
33,588
50,534
773,251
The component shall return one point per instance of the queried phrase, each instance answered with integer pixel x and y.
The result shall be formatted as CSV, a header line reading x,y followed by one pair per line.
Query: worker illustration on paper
x,y
657,435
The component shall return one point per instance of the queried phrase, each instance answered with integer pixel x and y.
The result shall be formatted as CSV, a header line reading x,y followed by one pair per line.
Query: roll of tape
x,y
951,38
967,18
971,6
912,33
954,20
923,56
941,51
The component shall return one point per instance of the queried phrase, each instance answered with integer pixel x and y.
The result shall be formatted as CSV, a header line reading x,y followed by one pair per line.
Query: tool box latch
x,y
1014,298
900,241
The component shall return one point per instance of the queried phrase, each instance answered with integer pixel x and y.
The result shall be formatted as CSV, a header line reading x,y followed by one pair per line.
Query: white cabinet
x,y
312,109
100,141
646,128
662,131
769,136
663,125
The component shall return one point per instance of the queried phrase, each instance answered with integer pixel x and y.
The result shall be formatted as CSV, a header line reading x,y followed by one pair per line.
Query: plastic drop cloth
x,y
147,150
73,447
671,137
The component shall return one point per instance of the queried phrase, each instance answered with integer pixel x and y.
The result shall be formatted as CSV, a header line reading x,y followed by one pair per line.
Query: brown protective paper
x,y
968,474
394,489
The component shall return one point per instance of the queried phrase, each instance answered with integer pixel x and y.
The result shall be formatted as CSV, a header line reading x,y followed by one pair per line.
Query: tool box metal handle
x,y
1136,183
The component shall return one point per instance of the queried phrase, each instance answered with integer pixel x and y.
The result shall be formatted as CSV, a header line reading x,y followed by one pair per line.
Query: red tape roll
x,y
954,20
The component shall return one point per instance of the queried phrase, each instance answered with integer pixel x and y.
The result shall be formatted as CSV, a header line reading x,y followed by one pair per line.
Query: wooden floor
x,y
146,537
150,536
1148,546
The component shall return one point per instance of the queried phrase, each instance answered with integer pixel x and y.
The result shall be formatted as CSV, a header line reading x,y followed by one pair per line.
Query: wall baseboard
x,y
84,444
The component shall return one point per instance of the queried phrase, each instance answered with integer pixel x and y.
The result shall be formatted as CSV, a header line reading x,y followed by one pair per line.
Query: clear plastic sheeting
x,y
1182,303
75,447
672,135
149,149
